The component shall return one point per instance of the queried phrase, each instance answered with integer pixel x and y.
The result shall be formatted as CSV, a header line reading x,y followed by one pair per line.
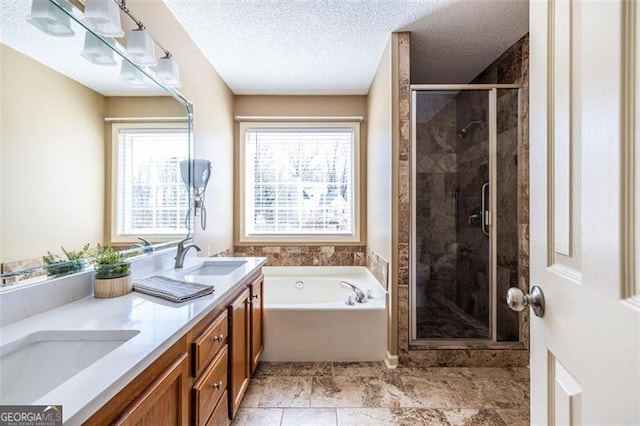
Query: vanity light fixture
x,y
168,72
103,17
140,47
96,51
49,19
131,75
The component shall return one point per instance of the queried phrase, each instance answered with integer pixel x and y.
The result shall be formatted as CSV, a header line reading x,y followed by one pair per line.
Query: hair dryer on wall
x,y
201,172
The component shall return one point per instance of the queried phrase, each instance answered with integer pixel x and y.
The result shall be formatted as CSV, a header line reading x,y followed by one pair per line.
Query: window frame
x,y
114,236
306,238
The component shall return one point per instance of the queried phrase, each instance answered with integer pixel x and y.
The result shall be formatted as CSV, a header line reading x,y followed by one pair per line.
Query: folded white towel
x,y
174,290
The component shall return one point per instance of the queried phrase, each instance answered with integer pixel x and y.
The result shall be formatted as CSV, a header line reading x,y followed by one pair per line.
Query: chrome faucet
x,y
182,251
360,296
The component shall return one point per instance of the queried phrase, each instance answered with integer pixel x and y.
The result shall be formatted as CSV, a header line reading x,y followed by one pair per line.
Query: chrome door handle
x,y
219,338
484,213
217,385
517,300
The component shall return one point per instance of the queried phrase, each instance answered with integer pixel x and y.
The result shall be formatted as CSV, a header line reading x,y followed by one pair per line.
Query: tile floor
x,y
369,394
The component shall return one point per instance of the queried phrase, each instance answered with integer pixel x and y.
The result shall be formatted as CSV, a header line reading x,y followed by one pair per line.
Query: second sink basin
x,y
39,362
220,267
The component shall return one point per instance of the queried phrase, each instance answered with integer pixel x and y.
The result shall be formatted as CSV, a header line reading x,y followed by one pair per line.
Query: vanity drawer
x,y
210,387
220,416
207,345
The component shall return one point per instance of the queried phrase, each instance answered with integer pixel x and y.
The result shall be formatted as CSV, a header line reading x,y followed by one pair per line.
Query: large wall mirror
x,y
91,149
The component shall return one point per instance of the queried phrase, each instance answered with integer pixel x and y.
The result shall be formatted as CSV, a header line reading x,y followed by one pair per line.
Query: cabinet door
x,y
165,402
257,304
239,319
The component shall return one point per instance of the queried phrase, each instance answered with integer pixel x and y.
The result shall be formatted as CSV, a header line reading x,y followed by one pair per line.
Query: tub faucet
x,y
360,296
182,251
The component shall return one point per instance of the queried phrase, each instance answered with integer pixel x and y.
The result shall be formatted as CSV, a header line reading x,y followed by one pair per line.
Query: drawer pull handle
x,y
217,385
218,338
255,296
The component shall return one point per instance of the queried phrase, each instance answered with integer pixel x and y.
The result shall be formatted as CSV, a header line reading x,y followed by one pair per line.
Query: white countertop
x,y
160,324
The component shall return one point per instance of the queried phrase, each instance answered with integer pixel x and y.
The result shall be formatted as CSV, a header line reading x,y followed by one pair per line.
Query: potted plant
x,y
113,273
76,261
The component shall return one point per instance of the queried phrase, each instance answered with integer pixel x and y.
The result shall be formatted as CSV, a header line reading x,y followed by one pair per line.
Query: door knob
x,y
517,300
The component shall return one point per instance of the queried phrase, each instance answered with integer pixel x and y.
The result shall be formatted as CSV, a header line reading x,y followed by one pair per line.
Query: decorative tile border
x,y
306,255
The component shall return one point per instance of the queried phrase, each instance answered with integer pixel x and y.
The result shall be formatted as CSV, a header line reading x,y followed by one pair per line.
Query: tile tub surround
x,y
369,394
511,67
379,267
300,255
160,324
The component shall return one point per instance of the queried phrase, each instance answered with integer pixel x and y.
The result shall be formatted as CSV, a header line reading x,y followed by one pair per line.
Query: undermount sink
x,y
220,267
39,362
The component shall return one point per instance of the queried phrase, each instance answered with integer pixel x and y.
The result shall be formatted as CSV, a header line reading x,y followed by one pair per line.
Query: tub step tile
x,y
286,392
314,369
309,417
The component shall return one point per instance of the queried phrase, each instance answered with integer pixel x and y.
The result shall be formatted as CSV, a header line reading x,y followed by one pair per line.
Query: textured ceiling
x,y
334,46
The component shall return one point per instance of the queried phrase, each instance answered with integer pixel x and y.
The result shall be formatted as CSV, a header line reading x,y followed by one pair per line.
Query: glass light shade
x,y
46,17
103,17
168,72
131,75
140,47
96,51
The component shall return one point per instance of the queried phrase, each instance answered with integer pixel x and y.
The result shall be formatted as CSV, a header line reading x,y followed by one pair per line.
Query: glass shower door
x,y
451,245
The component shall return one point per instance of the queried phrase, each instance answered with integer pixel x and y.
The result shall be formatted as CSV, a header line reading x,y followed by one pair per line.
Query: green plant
x,y
74,263
109,263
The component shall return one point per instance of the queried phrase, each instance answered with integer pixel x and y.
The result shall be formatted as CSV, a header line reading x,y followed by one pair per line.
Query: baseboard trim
x,y
391,361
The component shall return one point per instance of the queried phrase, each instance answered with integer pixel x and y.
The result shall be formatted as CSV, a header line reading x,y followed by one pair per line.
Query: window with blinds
x,y
299,181
151,198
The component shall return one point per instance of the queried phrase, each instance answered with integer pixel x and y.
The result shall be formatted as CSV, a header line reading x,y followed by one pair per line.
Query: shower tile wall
x,y
435,227
473,172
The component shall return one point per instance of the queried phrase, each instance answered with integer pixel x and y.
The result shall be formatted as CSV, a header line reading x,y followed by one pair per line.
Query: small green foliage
x,y
109,263
74,262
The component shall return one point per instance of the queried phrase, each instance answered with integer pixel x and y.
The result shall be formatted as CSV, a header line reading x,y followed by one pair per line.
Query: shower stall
x,y
465,230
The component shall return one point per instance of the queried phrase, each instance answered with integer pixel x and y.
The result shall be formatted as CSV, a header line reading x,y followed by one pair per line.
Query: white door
x,y
585,211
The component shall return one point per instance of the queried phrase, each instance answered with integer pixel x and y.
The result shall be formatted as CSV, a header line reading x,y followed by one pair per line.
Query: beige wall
x,y
52,160
379,112
309,106
213,120
382,156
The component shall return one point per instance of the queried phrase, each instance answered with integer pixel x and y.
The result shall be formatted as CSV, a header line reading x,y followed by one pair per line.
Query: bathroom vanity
x,y
187,363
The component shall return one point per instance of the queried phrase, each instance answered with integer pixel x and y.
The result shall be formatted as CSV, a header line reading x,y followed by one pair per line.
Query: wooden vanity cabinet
x,y
239,343
202,378
164,402
257,308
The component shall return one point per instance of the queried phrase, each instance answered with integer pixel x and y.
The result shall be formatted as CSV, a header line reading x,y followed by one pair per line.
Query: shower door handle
x,y
485,214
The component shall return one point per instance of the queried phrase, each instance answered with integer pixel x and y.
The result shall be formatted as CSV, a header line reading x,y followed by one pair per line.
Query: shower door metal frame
x,y
492,90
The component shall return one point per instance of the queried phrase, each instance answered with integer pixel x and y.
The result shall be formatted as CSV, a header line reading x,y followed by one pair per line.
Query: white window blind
x,y
299,181
151,198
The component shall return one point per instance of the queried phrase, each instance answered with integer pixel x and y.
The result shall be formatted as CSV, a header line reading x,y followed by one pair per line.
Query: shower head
x,y
464,132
